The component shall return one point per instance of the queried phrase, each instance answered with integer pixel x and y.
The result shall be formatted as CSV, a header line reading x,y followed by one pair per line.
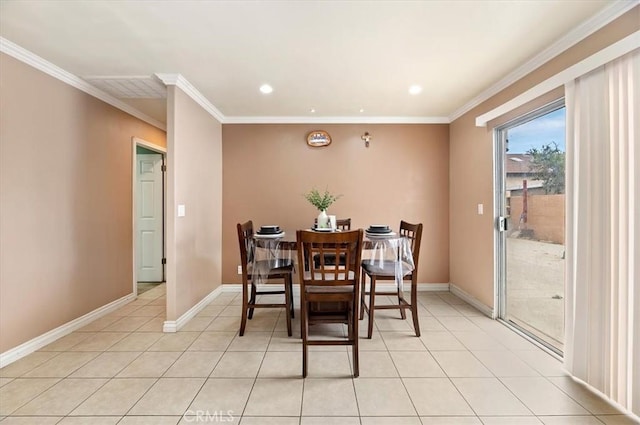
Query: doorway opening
x,y
530,201
149,205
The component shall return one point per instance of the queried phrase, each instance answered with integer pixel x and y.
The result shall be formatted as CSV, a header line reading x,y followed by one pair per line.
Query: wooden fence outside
x,y
545,217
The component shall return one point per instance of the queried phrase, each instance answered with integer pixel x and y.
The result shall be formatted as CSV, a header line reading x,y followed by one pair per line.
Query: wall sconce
x,y
367,138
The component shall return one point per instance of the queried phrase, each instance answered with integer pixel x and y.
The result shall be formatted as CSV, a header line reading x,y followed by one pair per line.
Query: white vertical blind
x,y
603,224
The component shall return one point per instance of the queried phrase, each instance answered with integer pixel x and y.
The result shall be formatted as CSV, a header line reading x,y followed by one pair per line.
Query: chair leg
x,y
354,347
287,301
252,300
403,315
414,308
245,303
291,297
304,330
350,315
372,298
356,364
362,294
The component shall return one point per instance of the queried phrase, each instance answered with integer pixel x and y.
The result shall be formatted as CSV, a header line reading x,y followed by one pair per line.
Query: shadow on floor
x,y
145,286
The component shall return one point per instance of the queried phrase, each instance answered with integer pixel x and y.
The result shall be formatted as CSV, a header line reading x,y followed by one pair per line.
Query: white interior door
x,y
149,251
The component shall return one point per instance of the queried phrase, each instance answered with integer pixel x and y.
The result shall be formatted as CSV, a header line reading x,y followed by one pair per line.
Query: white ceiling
x,y
337,57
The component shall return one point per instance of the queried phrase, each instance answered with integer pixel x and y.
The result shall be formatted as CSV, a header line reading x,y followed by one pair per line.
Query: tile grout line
x,y
490,371
447,375
264,353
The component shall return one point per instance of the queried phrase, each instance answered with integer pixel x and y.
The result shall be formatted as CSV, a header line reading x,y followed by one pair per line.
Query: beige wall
x,y
194,242
402,175
471,167
65,202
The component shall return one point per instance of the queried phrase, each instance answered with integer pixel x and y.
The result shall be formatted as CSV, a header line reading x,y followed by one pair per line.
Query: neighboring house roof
x,y
518,163
518,166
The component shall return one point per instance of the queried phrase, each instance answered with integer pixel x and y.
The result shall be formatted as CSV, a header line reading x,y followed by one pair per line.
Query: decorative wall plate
x,y
318,138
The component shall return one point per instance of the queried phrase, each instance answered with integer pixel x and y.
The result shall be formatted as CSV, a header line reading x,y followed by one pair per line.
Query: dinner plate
x,y
259,235
322,229
379,231
375,235
269,230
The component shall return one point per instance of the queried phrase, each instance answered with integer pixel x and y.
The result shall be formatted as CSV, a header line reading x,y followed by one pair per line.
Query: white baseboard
x,y
38,342
432,287
175,325
422,287
237,287
484,309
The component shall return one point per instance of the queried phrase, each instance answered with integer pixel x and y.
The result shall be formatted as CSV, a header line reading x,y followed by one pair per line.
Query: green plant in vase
x,y
321,202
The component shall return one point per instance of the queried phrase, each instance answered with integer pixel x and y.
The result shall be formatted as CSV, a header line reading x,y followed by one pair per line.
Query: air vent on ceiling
x,y
135,87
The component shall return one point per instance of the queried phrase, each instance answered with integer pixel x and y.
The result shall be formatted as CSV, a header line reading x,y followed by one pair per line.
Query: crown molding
x,y
604,56
579,33
179,81
604,17
169,79
336,120
35,61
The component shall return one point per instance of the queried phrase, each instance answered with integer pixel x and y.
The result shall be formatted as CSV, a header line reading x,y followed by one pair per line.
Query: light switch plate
x,y
480,209
239,269
181,211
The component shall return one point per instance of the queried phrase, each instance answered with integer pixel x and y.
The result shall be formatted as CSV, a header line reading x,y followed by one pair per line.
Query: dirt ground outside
x,y
535,287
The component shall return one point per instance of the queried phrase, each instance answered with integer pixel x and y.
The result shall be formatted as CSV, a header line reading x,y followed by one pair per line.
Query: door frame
x,y
500,237
135,142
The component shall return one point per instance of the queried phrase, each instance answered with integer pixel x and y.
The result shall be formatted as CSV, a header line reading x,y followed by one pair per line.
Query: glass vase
x,y
323,220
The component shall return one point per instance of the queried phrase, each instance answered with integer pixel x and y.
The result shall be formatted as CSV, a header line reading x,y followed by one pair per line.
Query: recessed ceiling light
x,y
361,110
266,88
415,89
312,110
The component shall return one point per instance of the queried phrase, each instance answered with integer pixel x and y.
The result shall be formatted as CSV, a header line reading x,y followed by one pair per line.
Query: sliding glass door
x,y
531,201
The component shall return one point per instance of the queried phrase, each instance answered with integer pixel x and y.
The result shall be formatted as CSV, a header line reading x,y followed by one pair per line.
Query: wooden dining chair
x,y
387,272
342,224
277,271
329,293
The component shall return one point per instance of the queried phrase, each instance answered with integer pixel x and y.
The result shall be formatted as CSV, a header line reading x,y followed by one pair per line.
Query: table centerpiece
x,y
321,202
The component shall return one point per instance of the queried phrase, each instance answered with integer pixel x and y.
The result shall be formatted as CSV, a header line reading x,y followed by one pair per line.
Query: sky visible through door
x,y
537,132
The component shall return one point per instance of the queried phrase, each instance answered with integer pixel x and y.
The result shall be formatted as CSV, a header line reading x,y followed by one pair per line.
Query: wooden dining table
x,y
272,251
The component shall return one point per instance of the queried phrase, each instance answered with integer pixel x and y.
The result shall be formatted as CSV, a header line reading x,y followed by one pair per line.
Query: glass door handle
x,y
502,224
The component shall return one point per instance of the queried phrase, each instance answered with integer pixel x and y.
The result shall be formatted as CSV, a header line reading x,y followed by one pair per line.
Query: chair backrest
x,y
315,244
245,241
413,232
341,223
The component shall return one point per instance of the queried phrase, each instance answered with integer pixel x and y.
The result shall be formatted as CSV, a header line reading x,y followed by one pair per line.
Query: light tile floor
x,y
464,369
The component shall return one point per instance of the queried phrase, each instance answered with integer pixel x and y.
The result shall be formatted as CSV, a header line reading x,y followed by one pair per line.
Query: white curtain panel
x,y
602,344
